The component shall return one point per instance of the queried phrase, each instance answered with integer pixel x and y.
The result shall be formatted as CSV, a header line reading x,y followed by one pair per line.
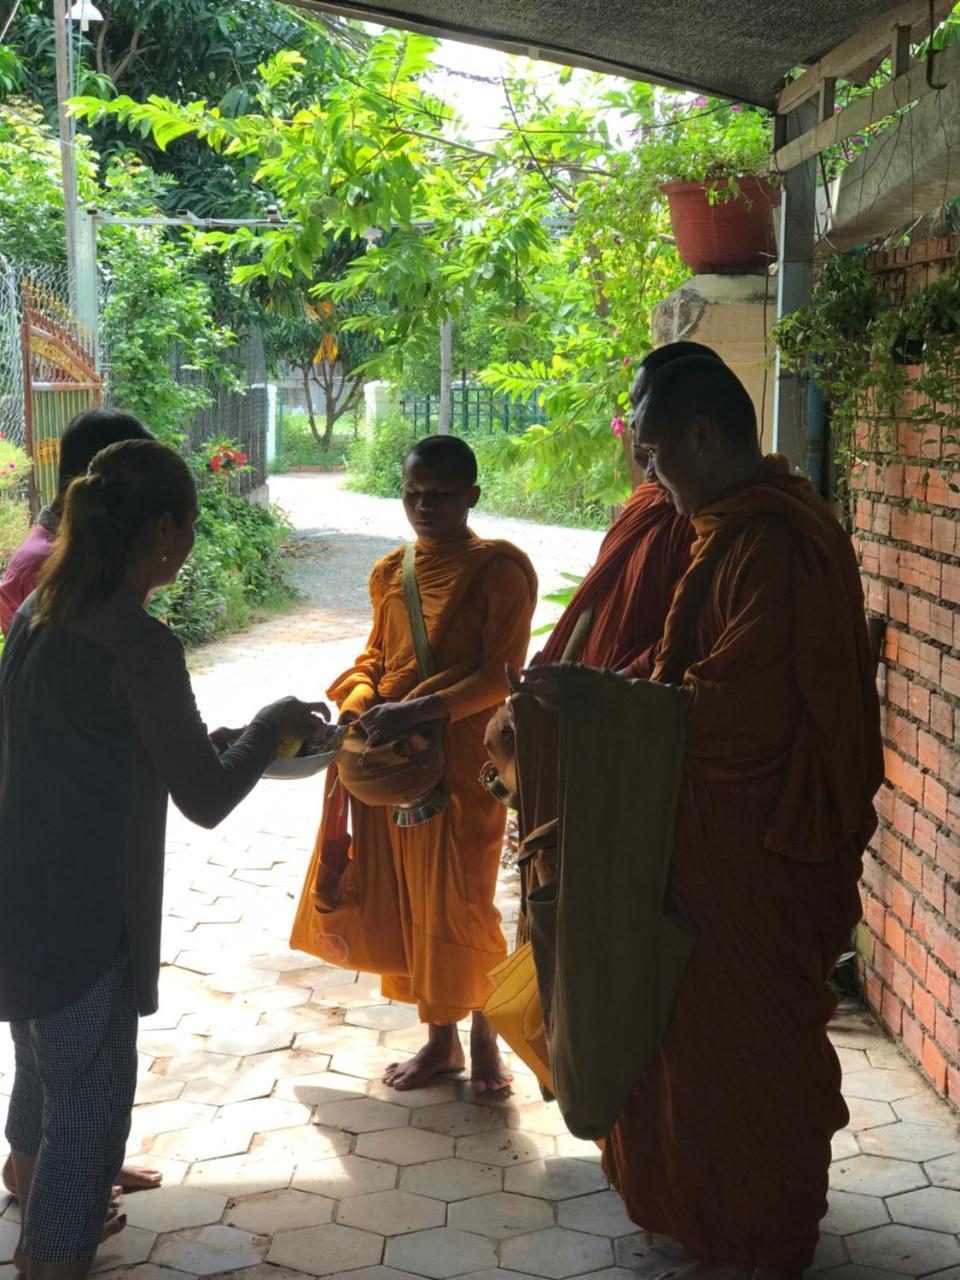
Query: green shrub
x,y
508,488
375,459
301,449
235,570
14,510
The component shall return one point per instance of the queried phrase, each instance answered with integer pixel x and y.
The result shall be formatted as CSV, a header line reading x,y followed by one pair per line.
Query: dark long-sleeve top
x,y
98,726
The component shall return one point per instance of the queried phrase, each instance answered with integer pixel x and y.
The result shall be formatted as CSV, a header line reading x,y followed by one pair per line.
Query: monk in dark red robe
x,y
724,1143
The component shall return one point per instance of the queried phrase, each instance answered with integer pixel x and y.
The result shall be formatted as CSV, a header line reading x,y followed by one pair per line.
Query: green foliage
x,y
300,447
511,484
561,596
375,459
234,570
889,371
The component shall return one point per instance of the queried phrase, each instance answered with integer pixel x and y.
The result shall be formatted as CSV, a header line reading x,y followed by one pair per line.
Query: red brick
x,y
884,961
921,572
891,850
924,1009
925,837
944,534
902,982
928,751
903,816
917,958
949,768
874,912
889,1008
911,868
889,562
938,984
950,675
943,945
894,937
935,798
911,526
898,604
933,888
902,904
948,1034
951,905
906,649
953,1084
901,733
912,1035
869,556
905,776
941,715
881,519
893,480
875,595
948,853
930,662
918,703
898,689
950,583
941,624
934,1064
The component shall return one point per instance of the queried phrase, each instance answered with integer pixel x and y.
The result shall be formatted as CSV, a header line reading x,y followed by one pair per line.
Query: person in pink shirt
x,y
88,433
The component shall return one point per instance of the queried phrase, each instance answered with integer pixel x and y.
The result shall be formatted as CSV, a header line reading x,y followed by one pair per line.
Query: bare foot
x,y
441,1054
114,1223
488,1073
134,1177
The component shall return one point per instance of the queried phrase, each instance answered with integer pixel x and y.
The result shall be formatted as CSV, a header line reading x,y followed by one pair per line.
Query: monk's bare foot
x,y
488,1072
9,1178
441,1054
114,1223
135,1177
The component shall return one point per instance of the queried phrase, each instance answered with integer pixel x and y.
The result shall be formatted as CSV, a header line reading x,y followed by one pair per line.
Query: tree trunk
x,y
446,375
305,371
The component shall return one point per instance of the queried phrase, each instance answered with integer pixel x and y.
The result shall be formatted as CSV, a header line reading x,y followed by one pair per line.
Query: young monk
x,y
478,598
724,1144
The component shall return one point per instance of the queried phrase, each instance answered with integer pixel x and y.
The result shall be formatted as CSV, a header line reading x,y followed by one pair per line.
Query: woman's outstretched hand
x,y
298,721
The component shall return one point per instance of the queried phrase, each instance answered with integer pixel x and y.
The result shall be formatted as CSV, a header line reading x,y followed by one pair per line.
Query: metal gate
x,y
59,380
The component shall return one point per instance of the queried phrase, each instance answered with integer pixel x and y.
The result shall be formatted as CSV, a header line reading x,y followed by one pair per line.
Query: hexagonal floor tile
x,y
415,1099
876,1176
323,1086
383,1017
277,1211
556,1179
365,1063
153,1088
441,1253
9,1238
505,1147
150,1271
935,1208
867,1113
649,1260
451,1180
572,1148
362,1115
346,1176
831,1251
924,1108
207,1251
905,1141
945,1172
557,1254
245,1084
501,1215
204,1141
174,1208
124,1250
854,1060
601,1214
908,1250
849,1212
265,1114
391,1213
302,1144
539,1117
372,1273
844,1145
881,1085
246,1175
404,1146
457,1119
323,1251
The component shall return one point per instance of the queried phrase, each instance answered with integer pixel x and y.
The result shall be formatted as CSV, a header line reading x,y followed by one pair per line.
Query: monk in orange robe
x,y
478,598
724,1144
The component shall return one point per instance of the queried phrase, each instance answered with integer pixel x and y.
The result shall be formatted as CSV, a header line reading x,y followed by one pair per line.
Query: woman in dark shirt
x,y
98,726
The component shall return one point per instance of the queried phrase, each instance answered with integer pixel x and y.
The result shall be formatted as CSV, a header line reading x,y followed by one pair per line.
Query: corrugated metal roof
x,y
740,49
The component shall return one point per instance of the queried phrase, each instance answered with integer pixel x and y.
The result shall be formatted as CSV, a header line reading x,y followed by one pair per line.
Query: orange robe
x,y
478,599
725,1142
644,554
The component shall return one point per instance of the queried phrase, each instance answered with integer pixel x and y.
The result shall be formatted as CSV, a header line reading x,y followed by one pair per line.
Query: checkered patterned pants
x,y
73,1091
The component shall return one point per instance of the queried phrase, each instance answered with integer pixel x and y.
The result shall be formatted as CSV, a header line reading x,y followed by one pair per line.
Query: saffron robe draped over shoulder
x,y
478,598
725,1142
644,554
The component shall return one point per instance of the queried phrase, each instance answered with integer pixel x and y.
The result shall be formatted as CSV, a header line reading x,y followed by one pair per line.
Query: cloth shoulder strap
x,y
426,665
579,636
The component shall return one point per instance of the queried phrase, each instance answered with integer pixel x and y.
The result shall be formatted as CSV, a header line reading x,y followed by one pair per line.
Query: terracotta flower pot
x,y
728,236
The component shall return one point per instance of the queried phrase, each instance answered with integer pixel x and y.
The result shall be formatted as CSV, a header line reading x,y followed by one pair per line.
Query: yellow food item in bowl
x,y
289,747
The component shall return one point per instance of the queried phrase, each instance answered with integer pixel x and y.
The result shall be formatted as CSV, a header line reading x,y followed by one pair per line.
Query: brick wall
x,y
910,559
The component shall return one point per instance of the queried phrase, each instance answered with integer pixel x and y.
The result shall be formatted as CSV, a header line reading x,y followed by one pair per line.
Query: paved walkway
x,y
283,1155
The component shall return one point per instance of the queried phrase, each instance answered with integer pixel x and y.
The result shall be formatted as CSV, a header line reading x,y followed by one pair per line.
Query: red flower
x,y
216,462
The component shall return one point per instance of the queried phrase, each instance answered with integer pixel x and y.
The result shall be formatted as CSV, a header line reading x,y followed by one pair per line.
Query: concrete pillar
x,y
733,315
271,422
380,400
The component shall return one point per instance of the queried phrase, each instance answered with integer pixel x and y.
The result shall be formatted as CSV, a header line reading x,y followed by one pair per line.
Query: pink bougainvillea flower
x,y
618,426
627,361
736,107
701,102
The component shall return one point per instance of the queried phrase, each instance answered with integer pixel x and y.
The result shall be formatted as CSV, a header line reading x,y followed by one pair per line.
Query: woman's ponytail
x,y
104,511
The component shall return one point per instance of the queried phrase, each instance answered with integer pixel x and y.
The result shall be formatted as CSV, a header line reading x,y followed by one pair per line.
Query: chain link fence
x,y
240,411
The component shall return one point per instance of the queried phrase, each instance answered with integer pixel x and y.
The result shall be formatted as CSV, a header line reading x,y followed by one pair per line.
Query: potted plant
x,y
712,163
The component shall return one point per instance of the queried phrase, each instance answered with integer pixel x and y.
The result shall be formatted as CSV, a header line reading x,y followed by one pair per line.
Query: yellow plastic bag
x,y
513,1010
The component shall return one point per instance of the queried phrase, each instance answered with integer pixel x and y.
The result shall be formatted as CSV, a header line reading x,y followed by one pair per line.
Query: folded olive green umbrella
x,y
617,956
